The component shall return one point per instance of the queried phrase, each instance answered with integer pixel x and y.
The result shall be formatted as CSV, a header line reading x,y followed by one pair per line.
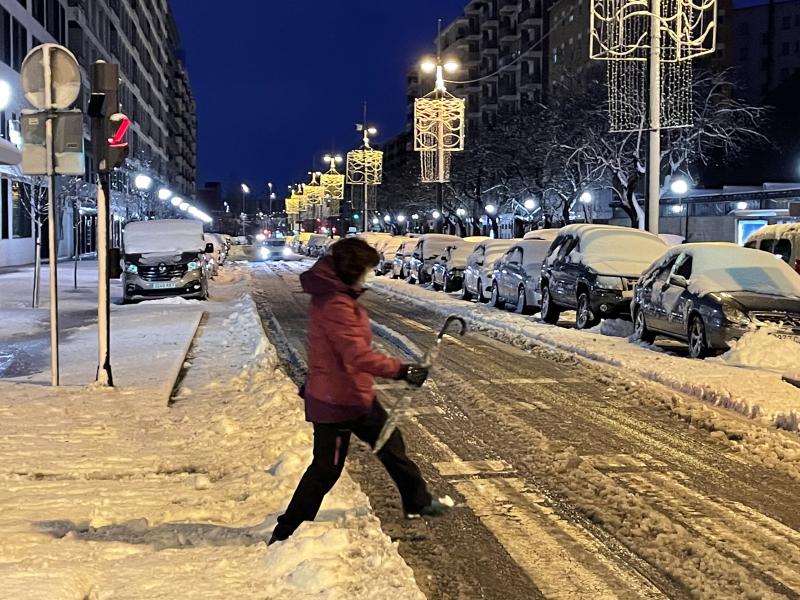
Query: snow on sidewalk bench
x,y
106,495
755,392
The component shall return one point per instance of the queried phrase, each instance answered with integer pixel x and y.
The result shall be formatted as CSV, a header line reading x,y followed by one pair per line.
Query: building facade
x,y
139,35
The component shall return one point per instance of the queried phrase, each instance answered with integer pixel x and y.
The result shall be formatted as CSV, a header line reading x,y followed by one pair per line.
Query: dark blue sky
x,y
278,81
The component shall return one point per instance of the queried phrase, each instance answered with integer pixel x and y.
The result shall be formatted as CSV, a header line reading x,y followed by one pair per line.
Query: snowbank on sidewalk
x,y
111,494
755,392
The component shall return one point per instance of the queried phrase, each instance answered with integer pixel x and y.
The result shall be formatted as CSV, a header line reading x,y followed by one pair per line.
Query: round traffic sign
x,y
56,65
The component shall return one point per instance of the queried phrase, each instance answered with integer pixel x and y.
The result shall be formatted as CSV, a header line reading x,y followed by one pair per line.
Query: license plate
x,y
786,336
164,285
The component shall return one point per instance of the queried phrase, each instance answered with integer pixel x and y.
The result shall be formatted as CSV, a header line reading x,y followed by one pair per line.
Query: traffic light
x,y
109,125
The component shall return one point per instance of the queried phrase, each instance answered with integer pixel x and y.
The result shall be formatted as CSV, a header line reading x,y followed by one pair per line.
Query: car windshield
x,y
746,271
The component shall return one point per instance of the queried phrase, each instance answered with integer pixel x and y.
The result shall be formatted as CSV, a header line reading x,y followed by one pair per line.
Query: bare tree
x,y
33,198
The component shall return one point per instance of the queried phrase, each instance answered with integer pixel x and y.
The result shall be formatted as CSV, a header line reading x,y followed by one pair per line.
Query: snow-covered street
x,y
139,492
583,466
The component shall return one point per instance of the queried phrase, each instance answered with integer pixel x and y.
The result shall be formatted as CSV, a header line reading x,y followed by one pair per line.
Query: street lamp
x,y
586,198
5,94
164,194
375,220
530,204
461,212
401,219
176,201
184,206
436,215
143,182
679,186
490,209
387,219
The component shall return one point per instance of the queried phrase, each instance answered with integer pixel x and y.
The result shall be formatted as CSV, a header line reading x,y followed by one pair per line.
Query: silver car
x,y
480,268
516,276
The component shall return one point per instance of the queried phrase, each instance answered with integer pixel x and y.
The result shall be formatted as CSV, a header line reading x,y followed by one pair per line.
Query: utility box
x,y
68,154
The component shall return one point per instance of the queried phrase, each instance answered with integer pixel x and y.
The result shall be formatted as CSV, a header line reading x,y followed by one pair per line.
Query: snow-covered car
x,y
542,234
593,270
402,258
429,249
781,240
274,249
215,259
516,275
480,267
299,242
448,273
165,258
713,293
316,245
387,249
374,238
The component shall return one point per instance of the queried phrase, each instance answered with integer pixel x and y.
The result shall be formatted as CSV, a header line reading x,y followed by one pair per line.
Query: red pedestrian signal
x,y
122,124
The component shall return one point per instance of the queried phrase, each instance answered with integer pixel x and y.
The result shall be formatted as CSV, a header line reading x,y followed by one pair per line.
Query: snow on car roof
x,y
542,234
164,236
724,267
776,231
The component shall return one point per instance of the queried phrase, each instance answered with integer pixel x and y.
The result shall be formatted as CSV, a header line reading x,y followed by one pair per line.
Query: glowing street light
x,y
375,221
387,219
415,217
677,208
401,219
5,94
164,194
461,212
143,182
741,205
530,204
586,198
490,209
176,201
679,186
184,206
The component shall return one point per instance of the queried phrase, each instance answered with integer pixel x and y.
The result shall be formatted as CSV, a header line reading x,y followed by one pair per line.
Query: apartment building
x,y
141,36
23,25
766,46
500,46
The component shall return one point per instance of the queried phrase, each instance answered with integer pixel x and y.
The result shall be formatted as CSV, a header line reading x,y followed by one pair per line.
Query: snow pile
x,y
760,349
756,393
614,328
113,494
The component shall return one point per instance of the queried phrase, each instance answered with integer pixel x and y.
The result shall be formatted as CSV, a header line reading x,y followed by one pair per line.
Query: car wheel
x,y
584,317
465,293
698,344
522,302
495,300
640,330
481,296
550,312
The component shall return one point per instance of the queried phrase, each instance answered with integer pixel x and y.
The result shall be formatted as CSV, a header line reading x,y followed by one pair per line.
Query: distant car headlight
x,y
264,253
735,315
287,252
609,283
132,269
193,266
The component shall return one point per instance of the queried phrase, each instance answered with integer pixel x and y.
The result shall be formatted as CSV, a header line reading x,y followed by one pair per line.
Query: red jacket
x,y
341,363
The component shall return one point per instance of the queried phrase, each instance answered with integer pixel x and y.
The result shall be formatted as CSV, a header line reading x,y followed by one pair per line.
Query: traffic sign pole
x,y
51,222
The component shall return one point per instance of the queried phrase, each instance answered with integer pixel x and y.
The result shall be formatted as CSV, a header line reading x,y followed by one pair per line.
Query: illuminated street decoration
x,y
333,185
365,166
629,33
313,191
438,128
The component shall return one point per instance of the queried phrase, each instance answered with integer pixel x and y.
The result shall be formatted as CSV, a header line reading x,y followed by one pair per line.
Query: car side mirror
x,y
679,281
209,248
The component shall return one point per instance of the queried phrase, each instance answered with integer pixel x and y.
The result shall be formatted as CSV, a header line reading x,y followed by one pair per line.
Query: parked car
x,y
480,268
516,275
165,258
274,249
387,249
300,241
316,245
448,273
710,294
430,248
593,269
780,240
215,258
400,265
542,234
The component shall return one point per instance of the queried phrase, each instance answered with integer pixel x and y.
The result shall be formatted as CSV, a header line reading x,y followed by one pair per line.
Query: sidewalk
x,y
114,494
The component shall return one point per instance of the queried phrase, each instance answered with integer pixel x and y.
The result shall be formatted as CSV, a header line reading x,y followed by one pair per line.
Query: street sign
x,y
68,157
51,77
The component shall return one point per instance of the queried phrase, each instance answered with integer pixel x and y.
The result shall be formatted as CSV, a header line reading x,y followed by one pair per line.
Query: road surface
x,y
572,480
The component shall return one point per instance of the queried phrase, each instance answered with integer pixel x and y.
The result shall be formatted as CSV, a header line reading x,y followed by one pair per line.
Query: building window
x,y
39,11
20,44
5,36
21,226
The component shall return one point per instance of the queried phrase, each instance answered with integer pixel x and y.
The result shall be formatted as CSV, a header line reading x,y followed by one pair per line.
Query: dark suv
x,y
593,269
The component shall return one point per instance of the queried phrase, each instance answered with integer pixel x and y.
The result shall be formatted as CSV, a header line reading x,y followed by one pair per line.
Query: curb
x,y
167,388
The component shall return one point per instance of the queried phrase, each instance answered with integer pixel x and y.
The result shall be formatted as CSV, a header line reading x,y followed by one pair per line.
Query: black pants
x,y
331,441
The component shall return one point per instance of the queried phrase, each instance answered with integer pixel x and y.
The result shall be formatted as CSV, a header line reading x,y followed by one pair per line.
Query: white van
x,y
781,240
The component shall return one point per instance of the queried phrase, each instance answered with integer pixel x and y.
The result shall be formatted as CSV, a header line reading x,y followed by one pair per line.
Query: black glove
x,y
414,374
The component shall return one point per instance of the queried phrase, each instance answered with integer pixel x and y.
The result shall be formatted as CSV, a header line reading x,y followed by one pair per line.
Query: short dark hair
x,y
351,258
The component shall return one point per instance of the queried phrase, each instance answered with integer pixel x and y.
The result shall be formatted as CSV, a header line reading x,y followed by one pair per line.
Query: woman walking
x,y
338,393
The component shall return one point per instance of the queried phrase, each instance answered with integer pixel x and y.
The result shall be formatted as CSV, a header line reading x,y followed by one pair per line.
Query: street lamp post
x,y
587,200
243,214
680,187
